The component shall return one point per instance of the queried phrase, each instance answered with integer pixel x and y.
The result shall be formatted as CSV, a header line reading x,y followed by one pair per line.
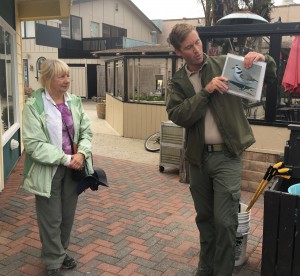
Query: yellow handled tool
x,y
275,170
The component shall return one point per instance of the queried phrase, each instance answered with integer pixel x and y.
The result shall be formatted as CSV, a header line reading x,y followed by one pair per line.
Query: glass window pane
x,y
65,28
105,30
29,29
23,29
110,78
119,79
43,22
147,79
7,93
76,28
95,29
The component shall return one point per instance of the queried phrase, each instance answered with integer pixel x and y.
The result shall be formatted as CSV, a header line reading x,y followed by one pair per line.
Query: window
x,y
25,72
71,28
65,28
39,62
95,32
76,27
112,31
7,77
43,22
28,29
147,78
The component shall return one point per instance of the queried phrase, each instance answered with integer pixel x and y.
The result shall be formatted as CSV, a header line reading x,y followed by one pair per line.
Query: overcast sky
x,y
173,9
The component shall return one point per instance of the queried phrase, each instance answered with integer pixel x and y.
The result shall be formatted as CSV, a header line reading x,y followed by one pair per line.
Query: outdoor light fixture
x,y
38,66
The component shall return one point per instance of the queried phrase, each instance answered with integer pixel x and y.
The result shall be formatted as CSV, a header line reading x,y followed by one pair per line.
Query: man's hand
x,y
251,57
217,83
77,161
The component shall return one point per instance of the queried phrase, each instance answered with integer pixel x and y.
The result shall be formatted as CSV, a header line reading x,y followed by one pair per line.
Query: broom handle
x,y
255,195
261,189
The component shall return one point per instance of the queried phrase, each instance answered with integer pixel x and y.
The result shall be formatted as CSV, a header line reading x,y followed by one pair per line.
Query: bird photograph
x,y
244,77
244,82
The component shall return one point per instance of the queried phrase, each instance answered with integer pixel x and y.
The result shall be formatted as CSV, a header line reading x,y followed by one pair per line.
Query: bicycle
x,y
152,143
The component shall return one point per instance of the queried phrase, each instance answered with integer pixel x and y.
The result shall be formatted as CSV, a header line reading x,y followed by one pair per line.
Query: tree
x,y
215,9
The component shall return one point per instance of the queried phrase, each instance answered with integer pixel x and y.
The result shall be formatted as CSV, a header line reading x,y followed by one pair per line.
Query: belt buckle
x,y
214,148
210,148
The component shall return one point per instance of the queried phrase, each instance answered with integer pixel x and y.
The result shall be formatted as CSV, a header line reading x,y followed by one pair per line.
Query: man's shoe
x,y
54,272
69,263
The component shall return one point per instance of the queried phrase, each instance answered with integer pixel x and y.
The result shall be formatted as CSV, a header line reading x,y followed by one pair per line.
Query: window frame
x,y
25,25
6,136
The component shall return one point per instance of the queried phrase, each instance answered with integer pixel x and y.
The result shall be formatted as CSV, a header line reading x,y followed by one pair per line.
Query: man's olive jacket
x,y
187,108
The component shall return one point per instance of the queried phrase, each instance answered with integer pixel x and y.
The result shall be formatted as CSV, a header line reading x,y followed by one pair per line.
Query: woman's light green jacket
x,y
41,157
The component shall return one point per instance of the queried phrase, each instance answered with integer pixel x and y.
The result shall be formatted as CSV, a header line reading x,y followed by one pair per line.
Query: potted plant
x,y
101,107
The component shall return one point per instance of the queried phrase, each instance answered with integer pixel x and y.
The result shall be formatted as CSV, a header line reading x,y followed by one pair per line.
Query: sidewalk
x,y
143,224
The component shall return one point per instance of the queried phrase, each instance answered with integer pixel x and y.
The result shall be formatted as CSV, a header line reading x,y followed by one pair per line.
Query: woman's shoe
x,y
69,263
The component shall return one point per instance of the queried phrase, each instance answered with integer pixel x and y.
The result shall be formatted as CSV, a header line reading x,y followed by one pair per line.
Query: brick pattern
x,y
255,165
143,224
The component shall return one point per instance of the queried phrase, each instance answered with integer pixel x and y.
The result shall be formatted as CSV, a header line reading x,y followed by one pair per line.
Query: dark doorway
x,y
92,80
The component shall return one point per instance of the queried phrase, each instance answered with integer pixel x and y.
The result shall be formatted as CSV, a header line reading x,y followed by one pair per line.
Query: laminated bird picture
x,y
244,82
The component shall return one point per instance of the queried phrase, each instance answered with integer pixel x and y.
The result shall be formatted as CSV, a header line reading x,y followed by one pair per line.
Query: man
x,y
217,132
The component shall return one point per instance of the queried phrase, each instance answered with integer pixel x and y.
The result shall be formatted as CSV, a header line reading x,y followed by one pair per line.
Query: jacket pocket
x,y
38,180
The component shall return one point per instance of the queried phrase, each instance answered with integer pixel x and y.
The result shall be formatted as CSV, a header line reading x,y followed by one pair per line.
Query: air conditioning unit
x,y
171,143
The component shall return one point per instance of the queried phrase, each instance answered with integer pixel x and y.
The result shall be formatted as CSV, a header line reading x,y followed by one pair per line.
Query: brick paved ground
x,y
143,224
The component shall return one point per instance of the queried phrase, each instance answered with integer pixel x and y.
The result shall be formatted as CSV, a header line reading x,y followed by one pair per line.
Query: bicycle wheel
x,y
152,143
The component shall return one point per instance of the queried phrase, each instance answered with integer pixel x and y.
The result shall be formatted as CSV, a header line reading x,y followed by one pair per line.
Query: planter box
x,y
281,232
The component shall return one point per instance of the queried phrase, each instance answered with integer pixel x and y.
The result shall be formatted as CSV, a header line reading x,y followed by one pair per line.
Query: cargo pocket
x,y
235,206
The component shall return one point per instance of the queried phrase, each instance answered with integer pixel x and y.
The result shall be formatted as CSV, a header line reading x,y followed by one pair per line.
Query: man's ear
x,y
178,52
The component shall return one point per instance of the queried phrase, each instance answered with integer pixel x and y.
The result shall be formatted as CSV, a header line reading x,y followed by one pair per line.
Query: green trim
x,y
11,157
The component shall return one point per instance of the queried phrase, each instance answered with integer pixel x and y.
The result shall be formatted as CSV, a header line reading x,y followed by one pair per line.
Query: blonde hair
x,y
179,33
51,68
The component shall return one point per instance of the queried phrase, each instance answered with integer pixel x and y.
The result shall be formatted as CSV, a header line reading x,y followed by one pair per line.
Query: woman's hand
x,y
77,161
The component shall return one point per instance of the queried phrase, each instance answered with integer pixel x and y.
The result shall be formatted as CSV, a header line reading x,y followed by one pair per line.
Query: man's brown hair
x,y
179,33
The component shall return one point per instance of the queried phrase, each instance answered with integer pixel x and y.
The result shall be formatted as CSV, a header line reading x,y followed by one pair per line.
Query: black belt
x,y
215,147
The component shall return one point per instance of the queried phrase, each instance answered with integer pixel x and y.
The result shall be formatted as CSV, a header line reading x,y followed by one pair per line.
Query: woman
x,y
50,116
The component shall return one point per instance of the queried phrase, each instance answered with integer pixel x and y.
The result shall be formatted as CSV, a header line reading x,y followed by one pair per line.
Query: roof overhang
x,y
153,50
30,10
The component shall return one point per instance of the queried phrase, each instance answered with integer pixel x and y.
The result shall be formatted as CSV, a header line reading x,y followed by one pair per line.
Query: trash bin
x,y
281,239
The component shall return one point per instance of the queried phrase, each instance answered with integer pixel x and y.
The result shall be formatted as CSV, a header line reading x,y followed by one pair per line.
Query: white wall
x,y
104,11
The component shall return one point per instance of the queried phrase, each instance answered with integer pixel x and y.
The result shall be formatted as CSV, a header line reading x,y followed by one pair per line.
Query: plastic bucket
x,y
242,235
294,189
240,249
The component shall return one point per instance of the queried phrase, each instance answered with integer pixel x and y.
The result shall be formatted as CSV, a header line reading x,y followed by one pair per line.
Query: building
x,y
93,25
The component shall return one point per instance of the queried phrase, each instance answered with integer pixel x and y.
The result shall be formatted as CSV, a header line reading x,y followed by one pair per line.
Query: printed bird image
x,y
244,77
